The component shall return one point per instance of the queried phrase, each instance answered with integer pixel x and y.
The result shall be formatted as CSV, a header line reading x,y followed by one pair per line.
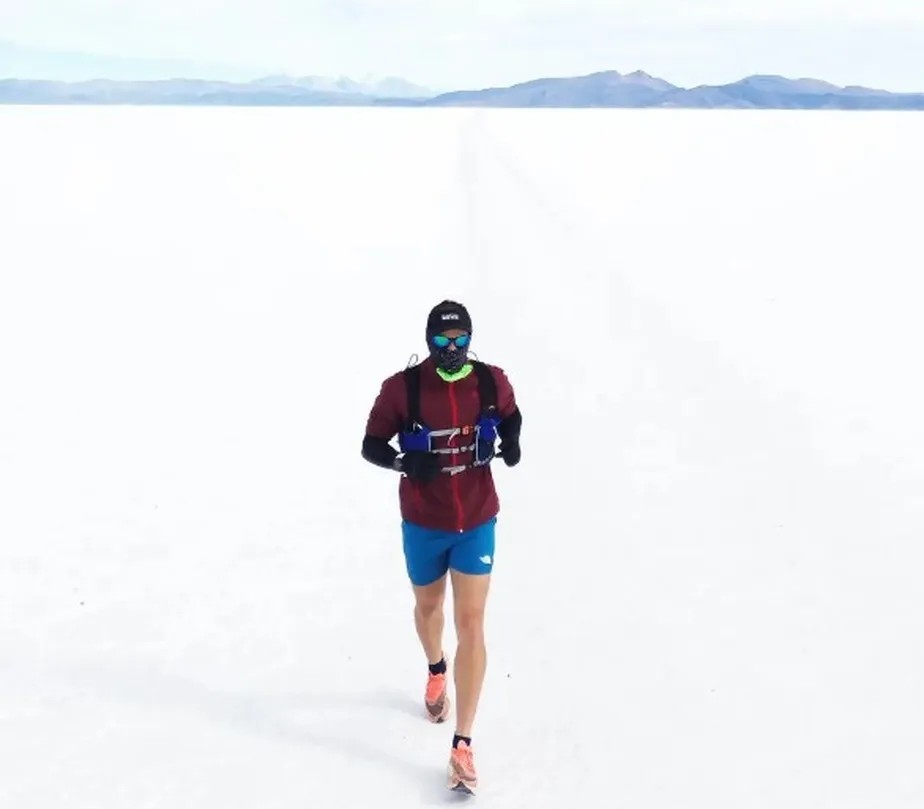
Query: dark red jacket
x,y
450,502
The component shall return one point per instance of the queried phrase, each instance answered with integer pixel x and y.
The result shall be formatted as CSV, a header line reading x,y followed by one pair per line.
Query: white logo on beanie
x,y
449,316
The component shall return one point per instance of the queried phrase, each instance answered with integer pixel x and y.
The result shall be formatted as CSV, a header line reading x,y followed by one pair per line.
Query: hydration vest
x,y
417,437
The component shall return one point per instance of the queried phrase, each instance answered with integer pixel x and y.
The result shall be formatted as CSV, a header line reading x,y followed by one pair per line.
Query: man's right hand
x,y
419,465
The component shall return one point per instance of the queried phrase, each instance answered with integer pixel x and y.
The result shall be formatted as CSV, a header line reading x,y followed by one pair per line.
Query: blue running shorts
x,y
429,553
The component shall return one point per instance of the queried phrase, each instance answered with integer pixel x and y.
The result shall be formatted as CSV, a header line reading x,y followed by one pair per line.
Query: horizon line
x,y
369,79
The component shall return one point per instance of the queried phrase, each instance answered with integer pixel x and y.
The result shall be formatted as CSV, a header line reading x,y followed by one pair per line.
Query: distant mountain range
x,y
640,90
269,91
373,88
605,89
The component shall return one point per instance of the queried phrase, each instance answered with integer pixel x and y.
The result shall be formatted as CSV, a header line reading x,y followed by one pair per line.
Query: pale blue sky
x,y
450,44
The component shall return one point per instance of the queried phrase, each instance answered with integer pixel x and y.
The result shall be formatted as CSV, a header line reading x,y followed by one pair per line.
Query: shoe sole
x,y
436,719
456,784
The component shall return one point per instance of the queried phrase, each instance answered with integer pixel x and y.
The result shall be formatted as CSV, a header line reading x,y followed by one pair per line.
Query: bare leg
x,y
470,593
428,618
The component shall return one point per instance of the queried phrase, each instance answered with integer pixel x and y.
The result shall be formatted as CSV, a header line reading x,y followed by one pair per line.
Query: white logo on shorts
x,y
486,560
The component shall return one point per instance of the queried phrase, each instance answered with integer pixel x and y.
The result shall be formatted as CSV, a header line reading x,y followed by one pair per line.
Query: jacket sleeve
x,y
384,422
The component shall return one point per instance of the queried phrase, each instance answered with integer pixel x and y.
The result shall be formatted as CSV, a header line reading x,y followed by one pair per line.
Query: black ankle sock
x,y
438,668
457,738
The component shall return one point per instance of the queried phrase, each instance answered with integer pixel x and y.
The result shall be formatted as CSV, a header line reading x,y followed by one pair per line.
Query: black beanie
x,y
448,315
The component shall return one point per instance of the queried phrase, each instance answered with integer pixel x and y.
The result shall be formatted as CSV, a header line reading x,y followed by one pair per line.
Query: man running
x,y
448,413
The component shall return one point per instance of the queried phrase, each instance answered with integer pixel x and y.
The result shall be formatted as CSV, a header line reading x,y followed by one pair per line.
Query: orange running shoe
x,y
462,777
435,698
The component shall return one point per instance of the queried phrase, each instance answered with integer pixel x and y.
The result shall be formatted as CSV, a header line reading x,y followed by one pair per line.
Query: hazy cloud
x,y
468,43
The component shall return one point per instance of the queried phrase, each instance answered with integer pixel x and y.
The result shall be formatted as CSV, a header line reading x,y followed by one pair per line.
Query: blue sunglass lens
x,y
441,341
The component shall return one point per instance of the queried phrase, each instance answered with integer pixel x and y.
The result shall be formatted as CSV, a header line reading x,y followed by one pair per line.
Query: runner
x,y
448,412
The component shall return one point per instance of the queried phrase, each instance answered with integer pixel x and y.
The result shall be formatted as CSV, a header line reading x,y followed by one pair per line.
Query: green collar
x,y
463,372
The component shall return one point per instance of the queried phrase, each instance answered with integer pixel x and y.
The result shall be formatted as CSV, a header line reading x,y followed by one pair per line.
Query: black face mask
x,y
449,359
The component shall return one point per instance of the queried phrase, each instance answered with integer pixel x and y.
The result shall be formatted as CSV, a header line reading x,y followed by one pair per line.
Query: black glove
x,y
509,432
510,451
419,465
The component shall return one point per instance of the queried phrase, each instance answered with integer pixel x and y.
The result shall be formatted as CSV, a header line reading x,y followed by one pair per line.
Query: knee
x,y
470,624
428,609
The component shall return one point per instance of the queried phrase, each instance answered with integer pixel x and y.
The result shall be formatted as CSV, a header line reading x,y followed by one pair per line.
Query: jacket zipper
x,y
454,478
